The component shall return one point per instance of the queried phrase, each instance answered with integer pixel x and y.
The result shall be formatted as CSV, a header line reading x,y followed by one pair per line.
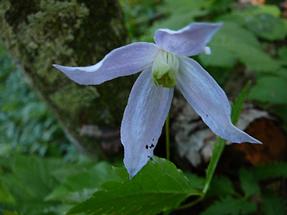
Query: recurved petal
x,y
122,61
188,41
144,117
209,101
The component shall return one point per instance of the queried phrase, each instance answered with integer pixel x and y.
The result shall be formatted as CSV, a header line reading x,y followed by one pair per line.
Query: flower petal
x,y
144,117
209,101
188,41
122,61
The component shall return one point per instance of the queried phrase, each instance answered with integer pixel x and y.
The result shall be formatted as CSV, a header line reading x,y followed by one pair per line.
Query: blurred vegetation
x,y
26,126
41,173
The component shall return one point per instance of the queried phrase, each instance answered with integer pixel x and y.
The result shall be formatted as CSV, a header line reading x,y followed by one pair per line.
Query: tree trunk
x,y
40,33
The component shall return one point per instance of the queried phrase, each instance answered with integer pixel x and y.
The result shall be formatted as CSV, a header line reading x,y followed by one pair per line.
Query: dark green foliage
x,y
252,42
82,184
158,187
28,180
252,196
273,205
33,187
269,90
26,124
230,206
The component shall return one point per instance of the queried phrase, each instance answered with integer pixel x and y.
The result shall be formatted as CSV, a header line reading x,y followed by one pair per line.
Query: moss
x,y
40,33
68,96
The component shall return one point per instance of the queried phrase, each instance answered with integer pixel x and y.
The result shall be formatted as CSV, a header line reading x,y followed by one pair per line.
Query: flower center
x,y
164,69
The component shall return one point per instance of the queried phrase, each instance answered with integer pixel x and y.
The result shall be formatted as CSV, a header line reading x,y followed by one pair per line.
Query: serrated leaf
x,y
79,187
238,44
270,90
248,183
29,181
267,27
230,206
158,187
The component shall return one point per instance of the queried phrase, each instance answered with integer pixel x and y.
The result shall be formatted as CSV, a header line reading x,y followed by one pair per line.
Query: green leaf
x,y
221,186
273,205
230,206
5,196
239,103
268,9
234,43
283,55
270,90
263,21
197,181
6,212
274,170
158,187
186,11
248,183
267,27
29,181
219,57
79,187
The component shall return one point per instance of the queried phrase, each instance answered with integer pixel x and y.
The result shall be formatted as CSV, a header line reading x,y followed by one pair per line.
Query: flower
x,y
164,65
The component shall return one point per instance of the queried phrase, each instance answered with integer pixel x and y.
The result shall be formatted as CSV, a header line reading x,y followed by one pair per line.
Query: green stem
x,y
191,204
216,154
167,137
219,147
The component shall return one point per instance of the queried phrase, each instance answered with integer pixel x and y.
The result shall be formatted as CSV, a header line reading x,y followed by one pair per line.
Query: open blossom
x,y
164,64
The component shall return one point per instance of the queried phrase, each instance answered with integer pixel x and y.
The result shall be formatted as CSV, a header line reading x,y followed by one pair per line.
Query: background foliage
x,y
41,172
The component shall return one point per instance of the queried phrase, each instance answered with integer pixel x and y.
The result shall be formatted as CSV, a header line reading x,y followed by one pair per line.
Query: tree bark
x,y
40,33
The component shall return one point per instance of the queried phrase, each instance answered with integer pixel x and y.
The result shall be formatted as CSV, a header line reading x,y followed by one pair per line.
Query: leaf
x,y
29,181
197,182
274,170
233,43
219,57
5,196
158,187
270,90
186,11
263,21
79,187
267,27
6,212
283,55
221,186
248,183
230,206
239,103
273,205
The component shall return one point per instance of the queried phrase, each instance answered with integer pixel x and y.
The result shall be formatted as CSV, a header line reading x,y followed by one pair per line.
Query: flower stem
x,y
167,138
191,204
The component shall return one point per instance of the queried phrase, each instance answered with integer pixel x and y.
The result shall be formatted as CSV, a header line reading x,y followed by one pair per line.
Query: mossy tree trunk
x,y
39,33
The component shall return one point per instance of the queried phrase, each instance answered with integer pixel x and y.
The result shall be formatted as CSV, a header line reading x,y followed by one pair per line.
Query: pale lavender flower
x,y
164,65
